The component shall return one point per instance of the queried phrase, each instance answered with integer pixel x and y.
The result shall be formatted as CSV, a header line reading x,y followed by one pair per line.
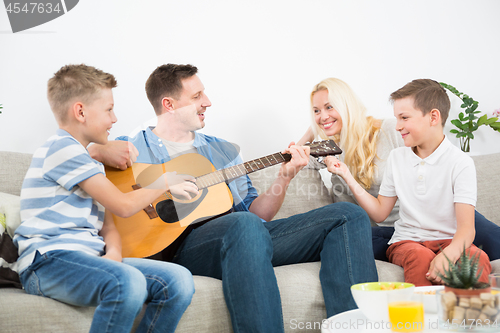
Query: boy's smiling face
x,y
99,117
411,123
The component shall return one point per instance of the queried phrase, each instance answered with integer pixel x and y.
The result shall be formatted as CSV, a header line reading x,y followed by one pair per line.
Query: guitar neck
x,y
228,174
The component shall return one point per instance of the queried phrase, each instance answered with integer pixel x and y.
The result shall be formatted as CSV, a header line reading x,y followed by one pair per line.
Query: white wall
x,y
257,59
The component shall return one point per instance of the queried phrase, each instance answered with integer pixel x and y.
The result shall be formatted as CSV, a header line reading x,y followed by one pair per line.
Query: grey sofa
x,y
302,299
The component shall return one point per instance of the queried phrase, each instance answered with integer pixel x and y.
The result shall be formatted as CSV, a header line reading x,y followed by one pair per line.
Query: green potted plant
x,y
467,121
464,298
464,275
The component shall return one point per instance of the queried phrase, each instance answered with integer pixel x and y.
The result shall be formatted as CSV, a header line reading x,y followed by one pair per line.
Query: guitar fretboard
x,y
239,170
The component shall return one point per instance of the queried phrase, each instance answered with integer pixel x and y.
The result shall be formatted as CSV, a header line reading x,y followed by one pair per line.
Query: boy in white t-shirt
x,y
69,247
435,183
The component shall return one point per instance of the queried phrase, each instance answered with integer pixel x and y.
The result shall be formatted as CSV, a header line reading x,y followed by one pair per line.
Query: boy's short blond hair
x,y
75,82
427,95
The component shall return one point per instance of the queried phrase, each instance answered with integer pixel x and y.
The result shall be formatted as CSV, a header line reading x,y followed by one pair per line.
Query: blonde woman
x,y
338,114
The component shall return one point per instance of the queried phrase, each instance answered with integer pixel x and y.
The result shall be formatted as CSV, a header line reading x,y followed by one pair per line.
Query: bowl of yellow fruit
x,y
371,297
429,297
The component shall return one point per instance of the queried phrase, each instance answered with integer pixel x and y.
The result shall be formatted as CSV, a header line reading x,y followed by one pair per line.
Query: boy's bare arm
x,y
377,208
112,238
464,236
127,204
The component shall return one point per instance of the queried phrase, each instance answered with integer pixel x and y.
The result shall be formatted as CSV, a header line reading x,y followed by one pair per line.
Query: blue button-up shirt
x,y
220,153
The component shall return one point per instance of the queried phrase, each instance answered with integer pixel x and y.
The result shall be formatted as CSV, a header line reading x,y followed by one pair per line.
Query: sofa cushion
x,y
8,257
302,301
305,192
388,272
10,206
41,314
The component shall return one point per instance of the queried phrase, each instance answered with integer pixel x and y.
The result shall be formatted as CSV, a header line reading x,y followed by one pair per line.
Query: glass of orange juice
x,y
495,283
406,312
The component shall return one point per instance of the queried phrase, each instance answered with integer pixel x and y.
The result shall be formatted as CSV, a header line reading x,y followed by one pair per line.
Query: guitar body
x,y
144,235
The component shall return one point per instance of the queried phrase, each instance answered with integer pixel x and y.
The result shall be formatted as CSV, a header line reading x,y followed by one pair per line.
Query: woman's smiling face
x,y
327,118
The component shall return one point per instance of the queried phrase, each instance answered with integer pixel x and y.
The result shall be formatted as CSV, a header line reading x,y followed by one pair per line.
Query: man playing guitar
x,y
241,247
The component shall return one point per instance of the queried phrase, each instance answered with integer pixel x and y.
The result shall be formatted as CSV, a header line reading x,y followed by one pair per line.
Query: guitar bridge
x,y
150,210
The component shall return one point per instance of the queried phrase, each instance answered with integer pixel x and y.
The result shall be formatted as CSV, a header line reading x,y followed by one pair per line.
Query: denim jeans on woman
x,y
241,250
119,290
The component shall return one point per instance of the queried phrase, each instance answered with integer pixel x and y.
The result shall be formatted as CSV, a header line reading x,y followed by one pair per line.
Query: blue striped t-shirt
x,y
56,213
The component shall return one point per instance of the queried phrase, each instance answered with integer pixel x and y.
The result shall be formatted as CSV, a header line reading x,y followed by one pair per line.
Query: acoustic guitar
x,y
157,226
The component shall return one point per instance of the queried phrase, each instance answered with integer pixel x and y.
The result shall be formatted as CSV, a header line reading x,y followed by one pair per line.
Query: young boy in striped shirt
x,y
69,248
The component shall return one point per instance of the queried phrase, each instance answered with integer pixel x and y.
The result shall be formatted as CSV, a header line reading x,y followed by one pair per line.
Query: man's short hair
x,y
427,95
74,82
166,81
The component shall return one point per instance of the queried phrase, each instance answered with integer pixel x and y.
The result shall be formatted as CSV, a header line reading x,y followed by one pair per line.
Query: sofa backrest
x,y
13,168
305,192
488,192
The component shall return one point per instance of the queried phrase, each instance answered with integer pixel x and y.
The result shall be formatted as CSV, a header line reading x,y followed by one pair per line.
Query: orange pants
x,y
416,257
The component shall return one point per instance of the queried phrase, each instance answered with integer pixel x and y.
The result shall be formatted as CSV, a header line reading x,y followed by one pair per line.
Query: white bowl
x,y
429,297
372,300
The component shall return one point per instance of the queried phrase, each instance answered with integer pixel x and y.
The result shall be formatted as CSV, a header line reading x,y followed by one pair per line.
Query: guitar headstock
x,y
324,148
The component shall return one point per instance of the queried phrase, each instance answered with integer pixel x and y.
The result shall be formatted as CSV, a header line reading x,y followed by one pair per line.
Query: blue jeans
x,y
241,250
487,237
119,290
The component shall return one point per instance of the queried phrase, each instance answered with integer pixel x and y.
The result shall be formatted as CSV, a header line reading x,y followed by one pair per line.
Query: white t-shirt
x,y
179,148
427,190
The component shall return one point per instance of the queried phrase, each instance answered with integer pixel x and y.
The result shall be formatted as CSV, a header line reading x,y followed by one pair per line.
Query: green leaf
x,y
491,120
454,131
470,135
457,123
482,120
461,116
495,126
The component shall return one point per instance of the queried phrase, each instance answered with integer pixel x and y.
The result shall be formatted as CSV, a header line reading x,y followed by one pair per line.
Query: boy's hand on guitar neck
x,y
180,186
300,158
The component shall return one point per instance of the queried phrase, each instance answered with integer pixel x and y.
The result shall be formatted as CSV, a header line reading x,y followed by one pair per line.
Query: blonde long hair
x,y
359,133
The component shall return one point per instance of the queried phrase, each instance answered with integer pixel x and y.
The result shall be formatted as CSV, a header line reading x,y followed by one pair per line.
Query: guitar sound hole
x,y
166,211
171,211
